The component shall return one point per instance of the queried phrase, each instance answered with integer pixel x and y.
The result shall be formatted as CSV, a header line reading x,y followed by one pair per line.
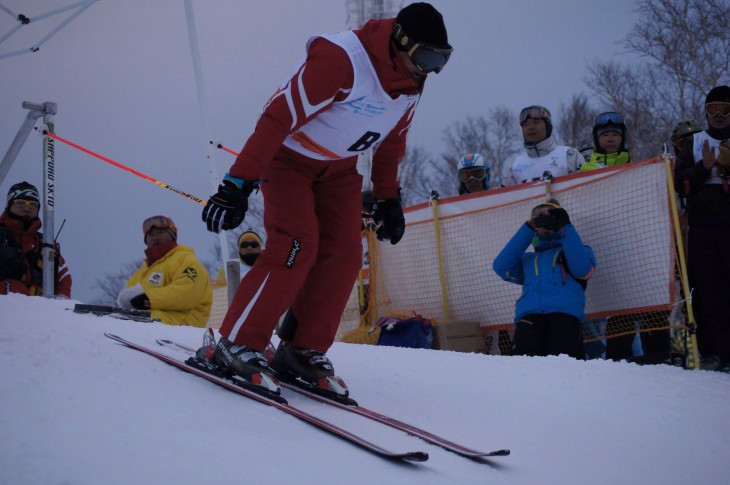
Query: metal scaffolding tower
x,y
360,11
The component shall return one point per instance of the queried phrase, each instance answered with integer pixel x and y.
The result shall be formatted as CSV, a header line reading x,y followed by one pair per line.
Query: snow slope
x,y
76,407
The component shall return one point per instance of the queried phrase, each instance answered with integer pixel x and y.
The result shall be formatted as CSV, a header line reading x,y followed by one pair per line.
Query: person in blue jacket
x,y
551,309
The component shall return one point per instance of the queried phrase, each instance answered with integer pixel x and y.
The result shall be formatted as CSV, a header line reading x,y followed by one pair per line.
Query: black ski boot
x,y
310,370
240,359
309,365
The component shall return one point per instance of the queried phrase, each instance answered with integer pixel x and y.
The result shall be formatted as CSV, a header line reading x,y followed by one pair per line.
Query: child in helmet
x,y
682,130
473,173
609,137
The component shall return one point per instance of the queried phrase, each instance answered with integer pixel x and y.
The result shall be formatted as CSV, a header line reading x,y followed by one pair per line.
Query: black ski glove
x,y
140,302
389,214
561,218
226,209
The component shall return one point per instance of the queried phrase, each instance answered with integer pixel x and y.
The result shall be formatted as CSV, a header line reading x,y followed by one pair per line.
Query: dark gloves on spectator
x,y
227,207
561,218
126,296
554,220
140,302
11,263
723,156
389,214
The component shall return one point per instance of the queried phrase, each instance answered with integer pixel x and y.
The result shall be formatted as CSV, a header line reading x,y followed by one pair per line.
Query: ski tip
x,y
415,456
499,453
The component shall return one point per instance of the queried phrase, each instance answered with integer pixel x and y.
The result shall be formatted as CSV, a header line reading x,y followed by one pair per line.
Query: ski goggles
x,y
473,173
248,244
159,222
26,203
427,58
609,118
534,112
718,108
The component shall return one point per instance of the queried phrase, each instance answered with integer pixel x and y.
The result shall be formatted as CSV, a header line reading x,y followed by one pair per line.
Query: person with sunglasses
x,y
355,92
172,283
249,248
21,245
473,174
702,173
542,153
609,138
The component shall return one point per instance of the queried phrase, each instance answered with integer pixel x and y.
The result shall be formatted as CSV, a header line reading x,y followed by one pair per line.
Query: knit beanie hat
x,y
24,191
423,23
249,235
719,94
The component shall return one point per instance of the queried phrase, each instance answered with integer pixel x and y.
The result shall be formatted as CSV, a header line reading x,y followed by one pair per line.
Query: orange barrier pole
x,y
124,167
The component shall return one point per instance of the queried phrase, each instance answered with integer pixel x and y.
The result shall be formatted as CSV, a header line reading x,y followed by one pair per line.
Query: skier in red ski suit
x,y
355,91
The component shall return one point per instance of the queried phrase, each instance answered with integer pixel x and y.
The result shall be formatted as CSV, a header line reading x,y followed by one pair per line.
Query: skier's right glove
x,y
226,209
389,214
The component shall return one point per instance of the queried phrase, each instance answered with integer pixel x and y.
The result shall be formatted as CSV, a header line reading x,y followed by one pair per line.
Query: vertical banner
x,y
49,203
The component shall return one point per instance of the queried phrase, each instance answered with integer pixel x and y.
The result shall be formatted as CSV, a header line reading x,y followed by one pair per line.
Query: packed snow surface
x,y
77,407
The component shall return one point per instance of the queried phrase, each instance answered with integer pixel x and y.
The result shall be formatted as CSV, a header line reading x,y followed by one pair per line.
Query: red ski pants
x,y
312,216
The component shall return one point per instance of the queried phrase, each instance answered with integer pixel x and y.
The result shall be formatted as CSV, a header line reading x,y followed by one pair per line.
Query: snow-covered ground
x,y
78,408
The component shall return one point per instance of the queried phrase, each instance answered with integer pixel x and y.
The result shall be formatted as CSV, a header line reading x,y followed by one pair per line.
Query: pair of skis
x,y
281,404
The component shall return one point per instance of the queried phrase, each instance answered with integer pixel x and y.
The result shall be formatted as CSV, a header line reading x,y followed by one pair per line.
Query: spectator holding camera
x,y
551,309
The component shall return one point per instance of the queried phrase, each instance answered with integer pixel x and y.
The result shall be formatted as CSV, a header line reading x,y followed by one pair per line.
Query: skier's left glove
x,y
226,208
389,214
126,296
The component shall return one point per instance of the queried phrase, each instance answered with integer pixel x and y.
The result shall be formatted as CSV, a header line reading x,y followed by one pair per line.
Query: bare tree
x,y
496,138
689,42
112,283
686,47
576,120
419,173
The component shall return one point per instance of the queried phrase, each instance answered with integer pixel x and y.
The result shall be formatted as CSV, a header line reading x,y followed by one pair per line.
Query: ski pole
x,y
224,148
124,167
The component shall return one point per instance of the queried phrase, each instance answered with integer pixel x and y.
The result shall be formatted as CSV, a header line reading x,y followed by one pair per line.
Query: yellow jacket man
x,y
173,284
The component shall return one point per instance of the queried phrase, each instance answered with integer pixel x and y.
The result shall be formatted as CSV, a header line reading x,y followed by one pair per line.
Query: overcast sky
x,y
122,76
